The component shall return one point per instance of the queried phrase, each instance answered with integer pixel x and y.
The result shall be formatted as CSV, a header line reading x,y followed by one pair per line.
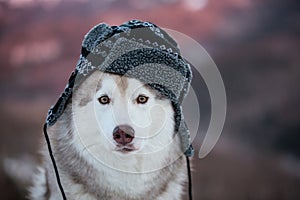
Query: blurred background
x,y
255,44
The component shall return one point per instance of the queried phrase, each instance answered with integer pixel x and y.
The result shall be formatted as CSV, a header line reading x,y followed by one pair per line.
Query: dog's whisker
x,y
88,147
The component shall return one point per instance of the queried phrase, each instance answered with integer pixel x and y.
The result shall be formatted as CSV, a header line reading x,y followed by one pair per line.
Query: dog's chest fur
x,y
81,181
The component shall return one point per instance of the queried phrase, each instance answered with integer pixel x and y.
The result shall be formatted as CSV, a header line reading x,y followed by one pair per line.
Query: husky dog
x,y
115,140
118,131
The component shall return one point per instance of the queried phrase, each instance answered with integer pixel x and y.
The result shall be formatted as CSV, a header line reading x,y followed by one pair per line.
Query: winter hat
x,y
139,50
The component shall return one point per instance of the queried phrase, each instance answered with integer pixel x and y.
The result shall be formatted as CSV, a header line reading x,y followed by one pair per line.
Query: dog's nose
x,y
123,134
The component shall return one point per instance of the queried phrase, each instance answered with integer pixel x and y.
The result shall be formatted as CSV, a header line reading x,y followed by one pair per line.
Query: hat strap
x,y
54,163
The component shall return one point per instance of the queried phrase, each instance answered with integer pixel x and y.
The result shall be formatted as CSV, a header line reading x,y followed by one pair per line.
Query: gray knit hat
x,y
139,50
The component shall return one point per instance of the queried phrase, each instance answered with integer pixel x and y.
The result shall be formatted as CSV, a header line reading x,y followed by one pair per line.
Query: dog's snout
x,y
123,134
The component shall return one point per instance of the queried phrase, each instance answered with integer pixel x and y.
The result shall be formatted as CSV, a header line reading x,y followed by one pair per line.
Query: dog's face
x,y
120,116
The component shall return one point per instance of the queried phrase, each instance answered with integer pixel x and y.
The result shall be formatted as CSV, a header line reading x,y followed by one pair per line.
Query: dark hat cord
x,y
189,177
54,163
58,177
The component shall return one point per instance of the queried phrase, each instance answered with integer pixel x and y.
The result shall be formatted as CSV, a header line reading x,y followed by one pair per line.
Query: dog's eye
x,y
104,99
142,99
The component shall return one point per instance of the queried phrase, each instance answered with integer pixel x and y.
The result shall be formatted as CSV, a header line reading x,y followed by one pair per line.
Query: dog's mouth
x,y
125,148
